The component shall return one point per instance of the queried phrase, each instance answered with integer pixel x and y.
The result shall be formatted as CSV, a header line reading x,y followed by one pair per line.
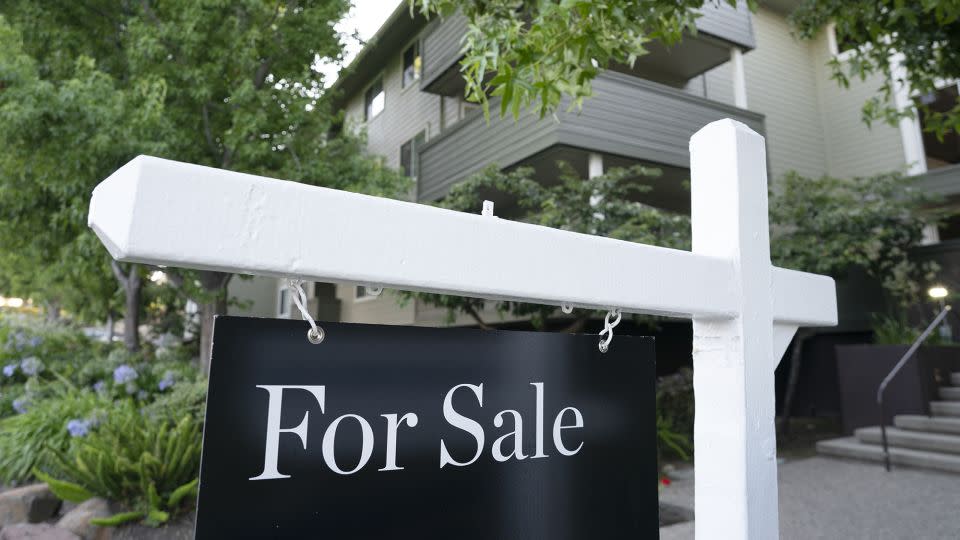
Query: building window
x,y
411,64
410,155
283,309
362,294
375,99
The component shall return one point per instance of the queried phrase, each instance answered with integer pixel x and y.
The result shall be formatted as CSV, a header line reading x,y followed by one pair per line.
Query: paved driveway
x,y
833,499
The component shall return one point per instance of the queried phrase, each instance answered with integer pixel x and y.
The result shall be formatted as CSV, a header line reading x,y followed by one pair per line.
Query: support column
x,y
739,78
733,358
594,165
911,136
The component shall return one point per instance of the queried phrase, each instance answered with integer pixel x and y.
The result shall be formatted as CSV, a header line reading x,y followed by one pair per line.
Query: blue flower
x,y
124,374
31,366
35,341
20,405
167,381
78,428
99,386
9,370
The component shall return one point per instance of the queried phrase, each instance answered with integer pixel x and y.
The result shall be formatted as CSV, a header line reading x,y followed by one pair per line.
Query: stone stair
x,y
930,442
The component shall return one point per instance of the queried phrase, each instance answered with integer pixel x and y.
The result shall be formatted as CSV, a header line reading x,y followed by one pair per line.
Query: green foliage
x,y
66,491
533,54
43,425
151,466
118,519
830,225
897,330
87,86
923,36
675,415
606,205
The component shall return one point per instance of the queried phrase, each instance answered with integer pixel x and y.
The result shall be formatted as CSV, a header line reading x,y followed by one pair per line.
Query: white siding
x,y
781,84
383,309
852,148
258,296
813,126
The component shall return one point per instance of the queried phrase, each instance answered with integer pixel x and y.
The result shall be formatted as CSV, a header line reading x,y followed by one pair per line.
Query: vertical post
x,y
739,78
733,358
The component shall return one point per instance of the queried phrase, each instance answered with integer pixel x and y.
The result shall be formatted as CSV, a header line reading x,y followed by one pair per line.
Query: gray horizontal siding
x,y
626,116
472,144
944,181
441,47
723,21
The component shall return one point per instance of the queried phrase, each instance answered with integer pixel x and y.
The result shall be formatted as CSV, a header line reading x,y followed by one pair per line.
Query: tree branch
x,y
207,133
118,272
576,326
476,317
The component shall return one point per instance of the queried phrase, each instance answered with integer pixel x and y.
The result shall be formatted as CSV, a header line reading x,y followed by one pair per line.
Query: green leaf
x,y
188,489
117,519
66,491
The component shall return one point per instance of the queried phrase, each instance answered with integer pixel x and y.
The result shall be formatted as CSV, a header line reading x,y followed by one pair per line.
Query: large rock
x,y
77,520
39,531
33,504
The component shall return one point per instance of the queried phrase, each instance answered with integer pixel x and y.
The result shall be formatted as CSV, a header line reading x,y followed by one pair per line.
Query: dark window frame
x,y
369,97
412,64
410,154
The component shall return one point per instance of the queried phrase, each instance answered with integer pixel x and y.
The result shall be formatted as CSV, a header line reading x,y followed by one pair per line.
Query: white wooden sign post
x,y
744,310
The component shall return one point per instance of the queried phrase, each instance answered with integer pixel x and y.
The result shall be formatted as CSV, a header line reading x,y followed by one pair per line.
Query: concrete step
x,y
915,440
945,408
934,424
950,393
850,447
955,379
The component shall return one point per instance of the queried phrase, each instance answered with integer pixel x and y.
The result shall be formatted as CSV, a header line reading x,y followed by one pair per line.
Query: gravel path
x,y
833,499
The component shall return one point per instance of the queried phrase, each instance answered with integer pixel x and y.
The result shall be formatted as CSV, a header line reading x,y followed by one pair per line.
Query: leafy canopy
x,y
87,86
826,225
606,205
534,53
922,36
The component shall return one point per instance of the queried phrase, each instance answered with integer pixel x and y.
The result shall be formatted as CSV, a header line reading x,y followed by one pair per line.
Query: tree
x,y
921,36
532,54
225,84
607,205
832,225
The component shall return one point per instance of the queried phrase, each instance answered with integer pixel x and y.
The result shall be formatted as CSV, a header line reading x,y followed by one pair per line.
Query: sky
x,y
365,18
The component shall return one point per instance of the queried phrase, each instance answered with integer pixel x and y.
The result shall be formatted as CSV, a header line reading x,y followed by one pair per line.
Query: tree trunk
x,y
214,284
52,311
110,326
132,288
792,380
131,315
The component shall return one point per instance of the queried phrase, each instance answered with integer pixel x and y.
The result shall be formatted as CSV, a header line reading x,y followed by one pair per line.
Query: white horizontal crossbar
x,y
163,212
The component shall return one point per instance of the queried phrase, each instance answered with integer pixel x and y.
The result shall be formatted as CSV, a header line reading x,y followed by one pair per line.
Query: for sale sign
x,y
413,433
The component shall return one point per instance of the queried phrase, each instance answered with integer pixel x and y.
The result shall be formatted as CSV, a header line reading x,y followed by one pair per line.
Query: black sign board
x,y
423,433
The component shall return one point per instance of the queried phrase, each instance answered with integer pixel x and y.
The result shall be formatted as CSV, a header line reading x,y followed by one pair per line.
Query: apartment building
x,y
404,89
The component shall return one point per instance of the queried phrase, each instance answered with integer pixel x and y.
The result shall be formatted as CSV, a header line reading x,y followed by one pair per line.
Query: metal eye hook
x,y
608,327
566,308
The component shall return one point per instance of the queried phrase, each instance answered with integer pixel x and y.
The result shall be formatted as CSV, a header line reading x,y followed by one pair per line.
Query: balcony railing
x,y
626,117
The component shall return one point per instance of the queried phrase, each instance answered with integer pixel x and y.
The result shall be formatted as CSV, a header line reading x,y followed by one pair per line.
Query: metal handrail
x,y
893,373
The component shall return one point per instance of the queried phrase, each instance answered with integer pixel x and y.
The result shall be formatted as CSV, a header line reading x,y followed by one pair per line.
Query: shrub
x,y
149,466
48,410
675,414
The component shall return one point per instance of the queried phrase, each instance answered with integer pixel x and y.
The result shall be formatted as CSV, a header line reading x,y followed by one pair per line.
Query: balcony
x,y
943,181
627,121
718,29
